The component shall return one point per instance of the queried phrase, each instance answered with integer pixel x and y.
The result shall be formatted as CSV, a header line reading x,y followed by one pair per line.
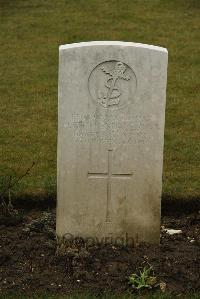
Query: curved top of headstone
x,y
112,43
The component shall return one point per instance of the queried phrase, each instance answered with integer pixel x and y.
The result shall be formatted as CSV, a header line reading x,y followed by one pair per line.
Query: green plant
x,y
144,280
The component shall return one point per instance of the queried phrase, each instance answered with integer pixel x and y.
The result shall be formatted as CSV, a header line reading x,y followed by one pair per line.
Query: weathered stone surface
x,y
110,140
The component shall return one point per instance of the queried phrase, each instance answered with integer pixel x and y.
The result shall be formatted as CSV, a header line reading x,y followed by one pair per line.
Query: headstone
x,y
111,118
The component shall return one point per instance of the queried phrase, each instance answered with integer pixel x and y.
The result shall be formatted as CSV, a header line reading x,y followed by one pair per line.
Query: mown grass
x,y
108,296
31,32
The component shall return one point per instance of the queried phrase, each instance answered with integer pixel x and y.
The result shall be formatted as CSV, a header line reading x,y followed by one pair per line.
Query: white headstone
x,y
110,140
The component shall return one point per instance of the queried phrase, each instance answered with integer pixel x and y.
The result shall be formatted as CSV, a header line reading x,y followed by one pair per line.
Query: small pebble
x,y
173,231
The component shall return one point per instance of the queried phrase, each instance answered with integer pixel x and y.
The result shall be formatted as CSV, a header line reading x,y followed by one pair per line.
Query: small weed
x,y
144,280
7,184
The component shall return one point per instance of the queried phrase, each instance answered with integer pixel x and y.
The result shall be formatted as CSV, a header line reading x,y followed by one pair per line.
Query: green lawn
x,y
32,30
155,296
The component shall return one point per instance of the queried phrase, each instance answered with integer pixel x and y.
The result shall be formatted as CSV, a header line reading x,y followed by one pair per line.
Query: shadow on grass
x,y
169,205
178,206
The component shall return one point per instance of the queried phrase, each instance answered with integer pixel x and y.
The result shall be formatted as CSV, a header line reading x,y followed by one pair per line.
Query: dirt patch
x,y
28,263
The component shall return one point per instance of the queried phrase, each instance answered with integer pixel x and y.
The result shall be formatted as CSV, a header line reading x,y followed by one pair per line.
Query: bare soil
x,y
29,263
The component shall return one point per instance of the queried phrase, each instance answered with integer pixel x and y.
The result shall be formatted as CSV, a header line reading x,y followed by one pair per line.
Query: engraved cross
x,y
109,175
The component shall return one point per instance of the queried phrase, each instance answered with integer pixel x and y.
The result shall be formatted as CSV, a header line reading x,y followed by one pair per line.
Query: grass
x,y
109,296
31,32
